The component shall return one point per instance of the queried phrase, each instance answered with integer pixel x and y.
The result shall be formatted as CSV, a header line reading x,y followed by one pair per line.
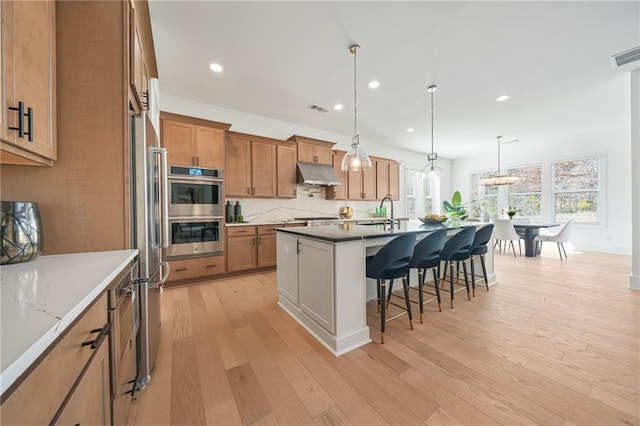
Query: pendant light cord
x,y
499,137
356,138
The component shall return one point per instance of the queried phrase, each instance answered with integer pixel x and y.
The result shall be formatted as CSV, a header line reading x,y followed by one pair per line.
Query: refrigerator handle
x,y
165,268
165,196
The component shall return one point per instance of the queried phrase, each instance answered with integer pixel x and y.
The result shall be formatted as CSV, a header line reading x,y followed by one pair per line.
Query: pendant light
x,y
356,158
433,156
499,179
432,173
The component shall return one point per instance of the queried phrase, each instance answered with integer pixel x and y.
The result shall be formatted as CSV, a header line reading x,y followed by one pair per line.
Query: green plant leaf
x,y
456,200
448,207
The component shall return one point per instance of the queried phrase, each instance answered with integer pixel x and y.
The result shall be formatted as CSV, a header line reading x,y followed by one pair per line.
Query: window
x,y
576,190
412,178
421,194
527,194
485,198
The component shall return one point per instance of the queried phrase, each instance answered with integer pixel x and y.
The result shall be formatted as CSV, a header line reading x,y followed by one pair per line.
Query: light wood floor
x,y
552,343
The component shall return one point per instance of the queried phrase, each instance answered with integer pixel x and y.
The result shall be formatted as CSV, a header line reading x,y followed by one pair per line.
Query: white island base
x,y
322,280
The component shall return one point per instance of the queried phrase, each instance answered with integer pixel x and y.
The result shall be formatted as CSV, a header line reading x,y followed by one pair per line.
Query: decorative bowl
x,y
433,220
21,232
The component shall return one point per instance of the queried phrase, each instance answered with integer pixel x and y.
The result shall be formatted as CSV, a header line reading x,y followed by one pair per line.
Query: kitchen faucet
x,y
390,202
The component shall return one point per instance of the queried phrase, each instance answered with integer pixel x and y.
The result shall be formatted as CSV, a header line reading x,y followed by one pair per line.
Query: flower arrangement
x,y
511,211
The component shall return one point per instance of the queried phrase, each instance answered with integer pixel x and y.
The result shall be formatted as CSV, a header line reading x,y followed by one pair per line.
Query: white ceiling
x,y
552,58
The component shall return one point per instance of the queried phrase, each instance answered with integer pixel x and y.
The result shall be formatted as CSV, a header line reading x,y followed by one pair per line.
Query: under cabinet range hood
x,y
317,174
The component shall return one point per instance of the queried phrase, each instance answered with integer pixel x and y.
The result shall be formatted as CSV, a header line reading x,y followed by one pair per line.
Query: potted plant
x,y
511,211
455,208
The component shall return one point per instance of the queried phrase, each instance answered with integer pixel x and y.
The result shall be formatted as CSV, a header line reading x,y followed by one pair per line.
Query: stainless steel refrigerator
x,y
149,204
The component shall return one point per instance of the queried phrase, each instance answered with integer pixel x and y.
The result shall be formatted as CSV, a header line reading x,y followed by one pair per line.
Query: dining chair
x,y
389,263
479,248
504,231
562,236
457,249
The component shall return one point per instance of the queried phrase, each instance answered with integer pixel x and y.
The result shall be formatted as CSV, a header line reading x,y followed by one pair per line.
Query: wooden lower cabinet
x,y
241,248
266,245
68,369
184,269
89,402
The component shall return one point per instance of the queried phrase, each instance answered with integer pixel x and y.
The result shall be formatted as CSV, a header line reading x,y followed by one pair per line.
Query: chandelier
x,y
499,179
356,158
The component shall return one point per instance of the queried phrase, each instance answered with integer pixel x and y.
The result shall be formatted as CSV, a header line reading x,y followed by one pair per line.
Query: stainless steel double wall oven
x,y
196,225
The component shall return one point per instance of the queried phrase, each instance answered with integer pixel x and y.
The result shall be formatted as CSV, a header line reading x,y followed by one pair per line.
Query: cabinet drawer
x,y
266,229
196,267
50,381
240,231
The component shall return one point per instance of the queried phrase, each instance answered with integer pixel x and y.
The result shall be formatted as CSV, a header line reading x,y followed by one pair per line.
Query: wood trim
x,y
257,138
194,120
11,154
298,138
143,22
384,160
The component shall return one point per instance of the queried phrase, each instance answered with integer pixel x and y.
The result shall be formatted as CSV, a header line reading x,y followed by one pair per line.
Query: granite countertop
x,y
303,222
348,232
41,298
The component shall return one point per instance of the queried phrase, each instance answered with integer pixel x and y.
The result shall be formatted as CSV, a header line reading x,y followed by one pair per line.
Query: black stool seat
x,y
479,247
457,249
389,263
426,255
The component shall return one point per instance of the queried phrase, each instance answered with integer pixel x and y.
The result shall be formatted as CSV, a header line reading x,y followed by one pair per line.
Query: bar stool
x,y
389,263
457,249
426,255
479,248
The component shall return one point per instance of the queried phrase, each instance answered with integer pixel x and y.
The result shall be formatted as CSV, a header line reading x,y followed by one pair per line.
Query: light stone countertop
x,y
41,298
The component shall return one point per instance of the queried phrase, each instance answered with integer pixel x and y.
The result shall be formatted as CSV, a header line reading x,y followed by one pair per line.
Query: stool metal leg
x,y
484,271
473,277
390,291
451,282
383,288
405,285
466,279
378,290
436,273
421,274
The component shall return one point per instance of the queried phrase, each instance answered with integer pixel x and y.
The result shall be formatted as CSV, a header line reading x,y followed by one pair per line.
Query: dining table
x,y
530,232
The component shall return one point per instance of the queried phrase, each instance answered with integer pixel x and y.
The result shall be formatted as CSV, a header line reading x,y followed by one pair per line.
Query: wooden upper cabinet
x,y
209,148
387,179
313,150
238,167
287,173
339,192
369,182
191,145
394,181
178,138
354,187
263,168
28,80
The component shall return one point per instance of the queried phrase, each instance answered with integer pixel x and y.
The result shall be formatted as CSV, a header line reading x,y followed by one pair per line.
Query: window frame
x,y
601,209
481,174
513,170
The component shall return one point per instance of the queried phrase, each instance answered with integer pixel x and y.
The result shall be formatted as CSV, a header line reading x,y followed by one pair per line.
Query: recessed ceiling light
x,y
502,98
374,84
410,129
215,67
338,107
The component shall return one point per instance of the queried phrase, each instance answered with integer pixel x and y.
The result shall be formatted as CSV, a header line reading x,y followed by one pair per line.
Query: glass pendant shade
x,y
356,158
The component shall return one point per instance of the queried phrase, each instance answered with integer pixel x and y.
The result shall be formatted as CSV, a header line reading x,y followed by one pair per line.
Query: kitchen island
x,y
322,282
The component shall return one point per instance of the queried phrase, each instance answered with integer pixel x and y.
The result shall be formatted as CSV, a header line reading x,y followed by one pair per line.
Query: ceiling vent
x,y
318,108
619,60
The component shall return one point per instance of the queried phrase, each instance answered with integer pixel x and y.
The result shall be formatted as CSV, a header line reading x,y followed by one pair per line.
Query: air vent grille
x,y
318,108
624,58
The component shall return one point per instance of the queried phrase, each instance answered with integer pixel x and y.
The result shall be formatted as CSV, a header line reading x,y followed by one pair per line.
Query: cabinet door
x,y
382,179
238,168
28,74
369,182
263,168
306,152
394,181
287,271
90,402
323,154
178,138
241,253
338,192
355,185
266,250
287,174
209,149
315,263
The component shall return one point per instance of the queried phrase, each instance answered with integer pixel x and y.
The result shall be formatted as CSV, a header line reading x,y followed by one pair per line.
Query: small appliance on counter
x,y
21,231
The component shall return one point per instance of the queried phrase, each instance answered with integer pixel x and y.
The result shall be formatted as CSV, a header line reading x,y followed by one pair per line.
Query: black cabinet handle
x,y
20,127
101,336
211,266
181,269
145,97
30,124
133,388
